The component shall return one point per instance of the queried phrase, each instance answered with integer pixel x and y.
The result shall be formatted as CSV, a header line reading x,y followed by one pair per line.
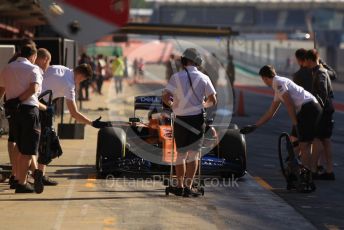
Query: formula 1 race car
x,y
147,148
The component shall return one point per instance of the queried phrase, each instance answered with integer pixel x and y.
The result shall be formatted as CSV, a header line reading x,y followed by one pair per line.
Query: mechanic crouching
x,y
185,93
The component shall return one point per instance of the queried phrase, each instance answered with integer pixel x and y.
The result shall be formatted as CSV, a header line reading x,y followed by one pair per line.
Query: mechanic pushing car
x,y
303,110
188,93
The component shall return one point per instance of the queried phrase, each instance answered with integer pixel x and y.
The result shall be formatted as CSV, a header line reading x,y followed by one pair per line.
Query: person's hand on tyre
x,y
100,124
248,129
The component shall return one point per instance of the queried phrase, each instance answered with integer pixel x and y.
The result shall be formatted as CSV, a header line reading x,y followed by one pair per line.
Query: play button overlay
x,y
86,20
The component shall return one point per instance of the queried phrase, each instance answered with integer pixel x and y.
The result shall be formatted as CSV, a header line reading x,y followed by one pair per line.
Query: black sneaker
x,y
38,185
13,182
178,191
26,188
49,182
190,192
326,176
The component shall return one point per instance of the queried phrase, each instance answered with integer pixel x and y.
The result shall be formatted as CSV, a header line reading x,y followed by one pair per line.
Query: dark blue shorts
x,y
188,132
27,130
307,122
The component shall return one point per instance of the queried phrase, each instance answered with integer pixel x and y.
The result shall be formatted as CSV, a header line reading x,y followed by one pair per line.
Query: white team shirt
x,y
17,77
185,102
60,80
298,95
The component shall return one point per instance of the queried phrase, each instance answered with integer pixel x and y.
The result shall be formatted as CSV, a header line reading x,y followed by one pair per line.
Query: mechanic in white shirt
x,y
62,82
303,110
22,81
185,93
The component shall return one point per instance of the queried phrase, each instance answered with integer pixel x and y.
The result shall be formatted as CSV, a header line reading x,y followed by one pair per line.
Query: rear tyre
x,y
233,147
110,147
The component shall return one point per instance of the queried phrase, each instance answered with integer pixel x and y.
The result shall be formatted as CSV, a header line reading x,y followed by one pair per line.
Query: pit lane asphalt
x,y
81,201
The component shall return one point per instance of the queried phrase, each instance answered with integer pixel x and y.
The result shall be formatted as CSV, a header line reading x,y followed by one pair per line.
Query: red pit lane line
x,y
268,92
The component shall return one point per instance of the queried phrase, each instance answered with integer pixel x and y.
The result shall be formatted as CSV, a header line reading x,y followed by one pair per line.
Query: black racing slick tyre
x,y
110,147
233,148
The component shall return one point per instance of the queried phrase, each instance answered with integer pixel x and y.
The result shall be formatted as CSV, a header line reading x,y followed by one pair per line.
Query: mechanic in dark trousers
x,y
22,81
63,81
185,93
322,90
303,110
302,77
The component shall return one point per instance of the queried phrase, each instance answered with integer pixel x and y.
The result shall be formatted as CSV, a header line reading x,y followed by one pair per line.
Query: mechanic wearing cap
x,y
62,82
185,93
303,110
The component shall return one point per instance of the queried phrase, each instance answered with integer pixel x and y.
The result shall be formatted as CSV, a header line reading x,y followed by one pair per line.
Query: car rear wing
x,y
148,103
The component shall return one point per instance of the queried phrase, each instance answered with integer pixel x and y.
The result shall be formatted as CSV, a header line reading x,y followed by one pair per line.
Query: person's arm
x,y
122,65
331,72
76,114
322,84
42,106
33,88
167,94
166,98
210,93
269,114
36,81
211,101
2,92
113,67
290,107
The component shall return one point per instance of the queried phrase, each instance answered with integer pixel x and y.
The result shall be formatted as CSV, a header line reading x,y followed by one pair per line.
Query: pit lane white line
x,y
68,195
